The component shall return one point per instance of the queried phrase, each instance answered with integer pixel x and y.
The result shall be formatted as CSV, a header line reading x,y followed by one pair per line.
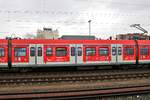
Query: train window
x,y
2,52
20,52
79,51
49,52
103,51
90,51
61,51
129,51
73,51
39,51
119,51
113,51
144,51
32,51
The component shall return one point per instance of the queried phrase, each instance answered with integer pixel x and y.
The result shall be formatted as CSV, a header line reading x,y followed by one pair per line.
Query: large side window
x,y
39,51
32,51
2,52
49,52
61,51
129,51
90,51
144,51
20,52
103,51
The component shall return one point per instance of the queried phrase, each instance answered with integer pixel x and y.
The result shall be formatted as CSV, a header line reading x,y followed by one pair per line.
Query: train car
x,y
27,53
3,53
40,53
110,52
53,53
144,51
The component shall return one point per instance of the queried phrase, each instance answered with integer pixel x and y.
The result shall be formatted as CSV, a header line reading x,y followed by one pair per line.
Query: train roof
x,y
146,42
48,41
3,41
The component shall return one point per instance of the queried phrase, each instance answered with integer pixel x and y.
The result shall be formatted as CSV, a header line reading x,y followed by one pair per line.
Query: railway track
x,y
80,76
77,94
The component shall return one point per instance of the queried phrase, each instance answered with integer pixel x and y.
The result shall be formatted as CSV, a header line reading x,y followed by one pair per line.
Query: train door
x,y
39,53
113,53
36,54
119,53
76,51
79,53
32,54
116,53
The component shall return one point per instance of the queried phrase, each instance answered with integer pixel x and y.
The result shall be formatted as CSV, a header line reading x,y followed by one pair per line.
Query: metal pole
x,y
89,27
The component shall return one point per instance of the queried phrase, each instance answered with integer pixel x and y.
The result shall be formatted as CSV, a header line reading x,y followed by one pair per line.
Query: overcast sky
x,y
109,17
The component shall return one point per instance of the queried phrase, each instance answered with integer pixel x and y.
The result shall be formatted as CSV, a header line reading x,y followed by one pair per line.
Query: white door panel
x,y
116,53
119,53
76,53
113,53
39,53
79,53
32,54
72,53
36,54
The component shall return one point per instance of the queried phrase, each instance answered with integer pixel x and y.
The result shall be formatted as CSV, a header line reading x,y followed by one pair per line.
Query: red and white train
x,y
51,53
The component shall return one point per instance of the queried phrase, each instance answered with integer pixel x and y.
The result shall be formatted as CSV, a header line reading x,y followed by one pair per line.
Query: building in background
x,y
47,33
133,36
30,36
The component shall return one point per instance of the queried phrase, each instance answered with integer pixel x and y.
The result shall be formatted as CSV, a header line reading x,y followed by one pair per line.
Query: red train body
x,y
51,53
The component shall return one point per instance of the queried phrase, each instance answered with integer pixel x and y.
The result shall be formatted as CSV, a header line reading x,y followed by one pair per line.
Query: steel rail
x,y
50,79
78,94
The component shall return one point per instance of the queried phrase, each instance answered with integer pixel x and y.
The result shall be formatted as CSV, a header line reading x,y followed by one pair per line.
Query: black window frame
x,y
32,51
119,50
129,51
2,52
99,50
88,54
113,51
40,51
62,55
79,51
19,49
73,51
49,52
